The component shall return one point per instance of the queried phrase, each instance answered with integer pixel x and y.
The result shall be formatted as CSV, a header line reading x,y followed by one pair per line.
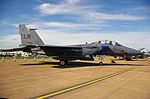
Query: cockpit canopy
x,y
109,42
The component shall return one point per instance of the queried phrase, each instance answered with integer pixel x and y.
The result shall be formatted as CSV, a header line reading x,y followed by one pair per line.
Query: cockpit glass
x,y
117,44
108,42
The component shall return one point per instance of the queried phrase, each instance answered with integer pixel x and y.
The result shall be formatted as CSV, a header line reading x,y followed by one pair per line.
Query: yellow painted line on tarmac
x,y
49,95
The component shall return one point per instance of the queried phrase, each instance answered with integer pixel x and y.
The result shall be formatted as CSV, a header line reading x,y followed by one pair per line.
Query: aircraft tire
x,y
101,63
63,62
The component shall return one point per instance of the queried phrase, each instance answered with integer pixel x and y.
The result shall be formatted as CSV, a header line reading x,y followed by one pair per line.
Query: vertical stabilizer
x,y
26,37
36,37
29,37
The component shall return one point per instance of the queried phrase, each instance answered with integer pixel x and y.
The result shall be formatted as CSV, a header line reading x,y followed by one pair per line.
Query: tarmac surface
x,y
25,80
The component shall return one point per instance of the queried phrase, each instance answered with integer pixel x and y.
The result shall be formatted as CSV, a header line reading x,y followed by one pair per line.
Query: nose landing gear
x,y
101,58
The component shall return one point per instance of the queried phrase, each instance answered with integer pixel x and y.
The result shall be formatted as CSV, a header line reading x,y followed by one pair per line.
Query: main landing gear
x,y
100,63
63,62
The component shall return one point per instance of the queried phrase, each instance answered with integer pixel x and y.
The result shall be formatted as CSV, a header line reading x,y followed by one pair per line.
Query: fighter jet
x,y
88,51
85,51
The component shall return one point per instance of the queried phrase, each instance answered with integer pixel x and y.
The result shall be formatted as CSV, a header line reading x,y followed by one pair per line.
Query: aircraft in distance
x,y
145,55
73,52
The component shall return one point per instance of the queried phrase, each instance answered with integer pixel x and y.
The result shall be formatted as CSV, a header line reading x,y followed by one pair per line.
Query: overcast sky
x,y
63,22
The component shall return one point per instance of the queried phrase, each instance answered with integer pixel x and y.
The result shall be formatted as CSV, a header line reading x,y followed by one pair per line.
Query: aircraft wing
x,y
27,48
61,50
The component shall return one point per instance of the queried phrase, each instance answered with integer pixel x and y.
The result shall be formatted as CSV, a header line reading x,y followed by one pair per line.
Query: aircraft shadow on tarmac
x,y
41,63
77,64
84,64
3,98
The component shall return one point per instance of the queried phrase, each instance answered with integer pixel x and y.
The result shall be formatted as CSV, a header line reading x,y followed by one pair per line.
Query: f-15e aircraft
x,y
65,54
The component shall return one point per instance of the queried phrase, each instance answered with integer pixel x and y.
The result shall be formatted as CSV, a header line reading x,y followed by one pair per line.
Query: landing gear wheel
x,y
63,62
101,63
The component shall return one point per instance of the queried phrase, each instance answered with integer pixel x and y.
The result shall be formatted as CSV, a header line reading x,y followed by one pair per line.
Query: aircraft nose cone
x,y
137,52
140,53
134,52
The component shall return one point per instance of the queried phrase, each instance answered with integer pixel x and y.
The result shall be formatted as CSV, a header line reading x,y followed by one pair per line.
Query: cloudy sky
x,y
65,22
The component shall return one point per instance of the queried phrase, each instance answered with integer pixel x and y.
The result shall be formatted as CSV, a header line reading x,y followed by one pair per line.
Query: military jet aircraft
x,y
85,51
